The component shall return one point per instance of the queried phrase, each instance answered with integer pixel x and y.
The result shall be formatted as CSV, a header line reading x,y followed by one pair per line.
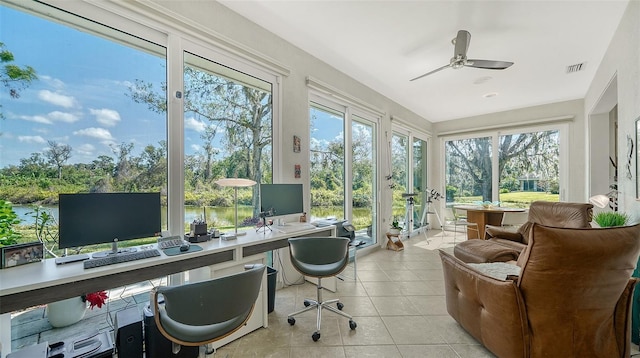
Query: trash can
x,y
271,288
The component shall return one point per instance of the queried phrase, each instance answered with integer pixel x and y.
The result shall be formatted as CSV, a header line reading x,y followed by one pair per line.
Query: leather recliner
x,y
572,297
502,244
555,214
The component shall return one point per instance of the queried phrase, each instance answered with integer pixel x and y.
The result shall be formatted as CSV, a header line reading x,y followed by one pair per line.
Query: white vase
x,y
393,232
66,312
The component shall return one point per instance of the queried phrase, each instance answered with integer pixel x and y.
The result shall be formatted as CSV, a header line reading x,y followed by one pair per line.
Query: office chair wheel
x,y
315,336
352,324
340,305
291,320
307,303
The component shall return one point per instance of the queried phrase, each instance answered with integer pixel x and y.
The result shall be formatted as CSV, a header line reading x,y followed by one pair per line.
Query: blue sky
x,y
80,96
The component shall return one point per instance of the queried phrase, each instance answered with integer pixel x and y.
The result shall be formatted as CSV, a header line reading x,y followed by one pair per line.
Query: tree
x,y
241,112
469,160
13,77
57,155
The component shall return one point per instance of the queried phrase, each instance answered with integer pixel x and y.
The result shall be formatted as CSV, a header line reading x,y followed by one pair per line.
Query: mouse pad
x,y
172,251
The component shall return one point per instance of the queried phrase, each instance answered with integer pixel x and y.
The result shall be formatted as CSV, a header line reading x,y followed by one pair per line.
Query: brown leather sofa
x,y
503,244
572,297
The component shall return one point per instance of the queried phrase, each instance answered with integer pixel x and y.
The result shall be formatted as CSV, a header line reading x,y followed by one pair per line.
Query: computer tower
x,y
156,345
128,325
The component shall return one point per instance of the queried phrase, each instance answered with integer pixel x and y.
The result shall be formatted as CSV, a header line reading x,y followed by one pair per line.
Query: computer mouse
x,y
185,247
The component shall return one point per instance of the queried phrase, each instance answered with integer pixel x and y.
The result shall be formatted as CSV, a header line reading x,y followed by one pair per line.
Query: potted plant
x,y
611,218
395,228
67,312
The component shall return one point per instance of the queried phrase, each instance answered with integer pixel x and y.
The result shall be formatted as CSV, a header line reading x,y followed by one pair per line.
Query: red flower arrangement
x,y
95,298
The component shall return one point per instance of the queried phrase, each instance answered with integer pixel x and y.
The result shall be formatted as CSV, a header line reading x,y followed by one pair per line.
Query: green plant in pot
x,y
611,218
395,226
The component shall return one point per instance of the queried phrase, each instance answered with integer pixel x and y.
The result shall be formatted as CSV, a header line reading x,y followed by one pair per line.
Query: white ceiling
x,y
383,44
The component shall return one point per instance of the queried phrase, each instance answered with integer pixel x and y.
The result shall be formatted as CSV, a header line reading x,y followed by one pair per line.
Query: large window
x,y
228,121
513,168
343,184
70,118
327,157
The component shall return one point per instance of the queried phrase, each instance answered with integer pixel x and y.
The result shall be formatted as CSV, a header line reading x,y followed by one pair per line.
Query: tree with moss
x,y
13,77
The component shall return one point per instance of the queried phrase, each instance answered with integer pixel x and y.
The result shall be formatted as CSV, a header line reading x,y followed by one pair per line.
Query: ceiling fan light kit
x,y
459,59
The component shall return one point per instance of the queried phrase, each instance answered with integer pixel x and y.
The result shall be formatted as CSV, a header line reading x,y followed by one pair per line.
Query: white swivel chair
x,y
458,217
514,219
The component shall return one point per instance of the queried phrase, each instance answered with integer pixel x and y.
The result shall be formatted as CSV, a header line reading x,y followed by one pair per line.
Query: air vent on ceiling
x,y
576,68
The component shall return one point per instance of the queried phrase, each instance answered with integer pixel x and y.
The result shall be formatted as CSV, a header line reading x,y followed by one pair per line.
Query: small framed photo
x,y
296,144
296,171
21,254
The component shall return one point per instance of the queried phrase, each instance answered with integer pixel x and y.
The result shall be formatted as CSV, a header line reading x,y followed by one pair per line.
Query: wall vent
x,y
577,67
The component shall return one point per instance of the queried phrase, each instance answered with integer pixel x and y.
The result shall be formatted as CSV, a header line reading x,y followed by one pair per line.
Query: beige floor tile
x,y
427,351
370,331
472,351
382,288
414,330
317,352
402,275
372,351
394,306
429,305
373,276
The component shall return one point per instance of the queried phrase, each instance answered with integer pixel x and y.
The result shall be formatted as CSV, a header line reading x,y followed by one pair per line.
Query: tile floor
x,y
398,303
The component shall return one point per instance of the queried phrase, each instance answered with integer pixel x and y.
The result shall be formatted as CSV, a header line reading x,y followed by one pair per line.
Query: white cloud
x,y
53,82
37,119
107,117
57,99
99,133
195,147
63,117
31,139
192,123
85,149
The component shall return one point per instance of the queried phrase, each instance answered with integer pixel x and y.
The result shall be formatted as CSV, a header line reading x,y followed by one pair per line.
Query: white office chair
x,y
514,219
458,217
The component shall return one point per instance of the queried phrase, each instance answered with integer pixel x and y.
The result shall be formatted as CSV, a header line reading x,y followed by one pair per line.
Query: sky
x,y
80,96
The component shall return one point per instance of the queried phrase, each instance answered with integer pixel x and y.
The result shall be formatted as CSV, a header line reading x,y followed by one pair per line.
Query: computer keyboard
x,y
169,242
119,258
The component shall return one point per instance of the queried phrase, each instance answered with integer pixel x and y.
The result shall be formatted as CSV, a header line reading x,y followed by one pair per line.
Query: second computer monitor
x,y
281,199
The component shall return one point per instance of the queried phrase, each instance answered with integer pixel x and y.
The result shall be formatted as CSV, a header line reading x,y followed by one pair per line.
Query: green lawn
x,y
514,199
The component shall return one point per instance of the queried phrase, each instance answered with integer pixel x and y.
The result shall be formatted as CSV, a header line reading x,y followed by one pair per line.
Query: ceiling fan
x,y
459,59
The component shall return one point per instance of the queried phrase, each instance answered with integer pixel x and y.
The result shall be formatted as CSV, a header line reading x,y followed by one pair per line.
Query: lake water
x,y
216,216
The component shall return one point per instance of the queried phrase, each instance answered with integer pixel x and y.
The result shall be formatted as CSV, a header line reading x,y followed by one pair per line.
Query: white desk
x,y
40,283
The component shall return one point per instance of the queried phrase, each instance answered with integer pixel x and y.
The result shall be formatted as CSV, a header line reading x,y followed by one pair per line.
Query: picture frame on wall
x,y
296,144
21,254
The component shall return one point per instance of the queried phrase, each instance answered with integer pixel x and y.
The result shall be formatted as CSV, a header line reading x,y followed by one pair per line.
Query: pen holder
x,y
198,229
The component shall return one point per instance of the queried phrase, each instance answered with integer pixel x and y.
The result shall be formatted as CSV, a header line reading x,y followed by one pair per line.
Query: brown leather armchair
x,y
556,214
572,297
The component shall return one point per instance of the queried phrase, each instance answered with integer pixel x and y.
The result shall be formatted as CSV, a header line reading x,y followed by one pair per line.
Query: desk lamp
x,y
235,183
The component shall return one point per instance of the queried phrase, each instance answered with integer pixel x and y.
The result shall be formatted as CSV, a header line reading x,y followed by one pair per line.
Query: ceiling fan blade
x,y
488,64
462,44
428,73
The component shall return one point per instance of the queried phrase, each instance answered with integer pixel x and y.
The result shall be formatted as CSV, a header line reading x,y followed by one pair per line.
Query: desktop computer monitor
x,y
98,218
281,199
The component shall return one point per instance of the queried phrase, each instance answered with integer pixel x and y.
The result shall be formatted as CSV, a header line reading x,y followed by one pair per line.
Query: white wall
x,y
622,59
